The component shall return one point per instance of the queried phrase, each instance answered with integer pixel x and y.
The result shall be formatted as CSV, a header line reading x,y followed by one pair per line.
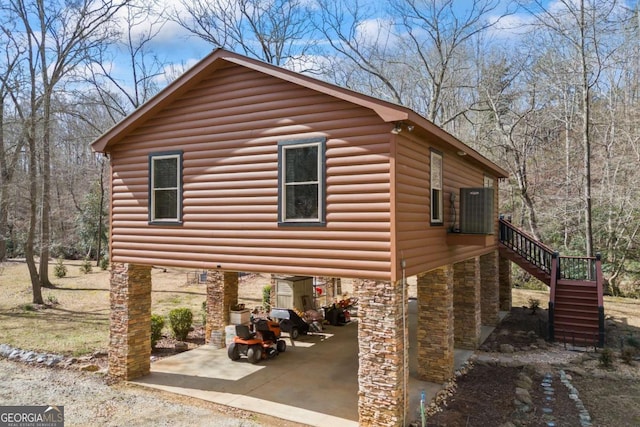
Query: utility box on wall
x,y
476,210
294,292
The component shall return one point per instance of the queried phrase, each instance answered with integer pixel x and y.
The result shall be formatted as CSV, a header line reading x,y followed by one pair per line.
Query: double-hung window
x,y
301,182
437,214
165,188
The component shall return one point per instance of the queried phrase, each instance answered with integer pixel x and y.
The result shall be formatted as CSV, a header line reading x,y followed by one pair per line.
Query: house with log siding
x,y
241,166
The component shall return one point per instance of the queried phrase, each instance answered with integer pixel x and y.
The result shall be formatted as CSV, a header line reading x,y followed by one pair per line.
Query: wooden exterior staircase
x,y
576,311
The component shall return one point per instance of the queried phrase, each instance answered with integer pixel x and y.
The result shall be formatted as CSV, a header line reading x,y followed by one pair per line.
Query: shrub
x,y
52,300
534,304
157,323
606,358
266,298
85,267
59,270
104,263
180,320
628,354
633,342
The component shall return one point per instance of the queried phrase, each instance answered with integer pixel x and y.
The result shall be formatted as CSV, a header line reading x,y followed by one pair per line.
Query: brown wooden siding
x,y
422,245
228,127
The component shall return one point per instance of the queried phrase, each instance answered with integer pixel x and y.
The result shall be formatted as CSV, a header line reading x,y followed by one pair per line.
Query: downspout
x,y
405,342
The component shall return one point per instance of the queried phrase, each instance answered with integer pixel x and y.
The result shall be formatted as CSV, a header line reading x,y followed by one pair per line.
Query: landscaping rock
x,y
506,348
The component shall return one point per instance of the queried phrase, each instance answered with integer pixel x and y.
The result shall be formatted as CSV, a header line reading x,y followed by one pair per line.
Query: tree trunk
x,y
586,140
33,197
45,205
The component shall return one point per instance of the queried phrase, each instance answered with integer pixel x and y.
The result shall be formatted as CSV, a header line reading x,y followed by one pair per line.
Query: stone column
x,y
384,361
222,293
490,288
466,303
130,321
504,269
435,324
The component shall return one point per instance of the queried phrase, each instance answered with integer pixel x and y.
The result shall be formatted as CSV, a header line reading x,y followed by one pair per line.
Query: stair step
x,y
577,310
578,321
575,327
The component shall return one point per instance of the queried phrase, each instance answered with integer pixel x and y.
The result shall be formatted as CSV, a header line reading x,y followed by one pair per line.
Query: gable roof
x,y
387,111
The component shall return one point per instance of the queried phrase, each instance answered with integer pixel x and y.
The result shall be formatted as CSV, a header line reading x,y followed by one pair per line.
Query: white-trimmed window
x,y
301,189
488,181
165,188
437,213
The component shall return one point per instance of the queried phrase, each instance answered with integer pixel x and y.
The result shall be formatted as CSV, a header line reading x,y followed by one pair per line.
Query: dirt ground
x,y
486,394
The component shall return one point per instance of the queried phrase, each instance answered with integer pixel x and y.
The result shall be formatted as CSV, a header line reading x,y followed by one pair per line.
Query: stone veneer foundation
x,y
384,362
222,293
490,289
466,303
130,321
504,272
435,324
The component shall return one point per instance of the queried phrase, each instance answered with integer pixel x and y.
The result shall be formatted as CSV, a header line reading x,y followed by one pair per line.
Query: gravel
x,y
89,400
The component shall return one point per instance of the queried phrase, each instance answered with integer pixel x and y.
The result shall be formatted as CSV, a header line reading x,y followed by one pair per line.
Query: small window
x,y
301,182
165,188
436,188
488,181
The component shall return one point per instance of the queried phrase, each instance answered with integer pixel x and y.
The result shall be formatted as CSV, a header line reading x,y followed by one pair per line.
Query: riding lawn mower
x,y
264,343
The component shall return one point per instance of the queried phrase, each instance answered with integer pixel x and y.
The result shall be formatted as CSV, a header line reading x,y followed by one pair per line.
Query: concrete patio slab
x,y
315,382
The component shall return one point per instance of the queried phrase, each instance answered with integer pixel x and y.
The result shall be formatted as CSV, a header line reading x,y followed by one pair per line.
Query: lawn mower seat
x,y
263,327
243,332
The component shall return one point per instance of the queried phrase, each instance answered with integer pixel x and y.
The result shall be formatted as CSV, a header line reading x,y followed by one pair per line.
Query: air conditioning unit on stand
x,y
476,210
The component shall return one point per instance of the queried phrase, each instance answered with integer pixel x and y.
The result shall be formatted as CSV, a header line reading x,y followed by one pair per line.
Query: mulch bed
x,y
485,395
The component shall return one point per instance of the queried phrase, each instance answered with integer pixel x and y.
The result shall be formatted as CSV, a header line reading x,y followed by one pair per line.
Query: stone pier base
x,y
222,293
466,303
384,362
490,288
130,321
504,271
435,325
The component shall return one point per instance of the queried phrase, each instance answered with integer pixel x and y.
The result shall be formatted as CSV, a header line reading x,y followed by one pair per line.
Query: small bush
x,y
266,298
633,342
85,267
52,300
628,354
59,270
606,358
104,263
157,324
29,307
534,305
180,320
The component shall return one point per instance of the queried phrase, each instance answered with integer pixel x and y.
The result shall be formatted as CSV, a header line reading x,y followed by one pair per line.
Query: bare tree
x,y
276,32
582,27
139,67
11,138
58,38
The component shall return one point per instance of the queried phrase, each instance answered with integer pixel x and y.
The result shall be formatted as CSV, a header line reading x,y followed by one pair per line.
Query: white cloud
x,y
511,25
377,31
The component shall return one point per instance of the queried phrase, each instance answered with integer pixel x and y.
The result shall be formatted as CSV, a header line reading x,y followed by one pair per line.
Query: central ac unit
x,y
476,210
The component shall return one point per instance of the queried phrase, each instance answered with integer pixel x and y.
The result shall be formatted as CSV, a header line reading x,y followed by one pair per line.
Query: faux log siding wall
x,y
424,247
228,127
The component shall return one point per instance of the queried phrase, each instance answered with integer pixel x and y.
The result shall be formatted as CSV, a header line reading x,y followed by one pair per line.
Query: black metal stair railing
x,y
526,246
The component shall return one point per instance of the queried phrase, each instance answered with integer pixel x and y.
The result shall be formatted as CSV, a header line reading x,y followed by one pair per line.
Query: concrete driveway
x,y
315,382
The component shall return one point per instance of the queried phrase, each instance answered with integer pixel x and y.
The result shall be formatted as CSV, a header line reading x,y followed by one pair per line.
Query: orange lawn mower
x,y
264,343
